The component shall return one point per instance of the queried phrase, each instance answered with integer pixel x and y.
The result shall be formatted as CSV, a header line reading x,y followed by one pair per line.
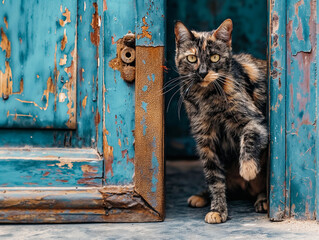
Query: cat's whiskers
x,y
181,98
178,90
172,85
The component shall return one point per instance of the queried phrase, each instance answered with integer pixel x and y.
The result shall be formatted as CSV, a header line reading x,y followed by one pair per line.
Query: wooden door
x,y
78,143
293,59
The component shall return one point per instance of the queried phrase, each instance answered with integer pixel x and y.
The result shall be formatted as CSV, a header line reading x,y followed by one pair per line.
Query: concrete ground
x,y
182,222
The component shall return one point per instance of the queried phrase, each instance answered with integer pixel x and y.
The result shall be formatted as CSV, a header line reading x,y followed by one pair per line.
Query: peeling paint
x,y
104,5
145,33
108,154
64,40
67,15
95,24
84,102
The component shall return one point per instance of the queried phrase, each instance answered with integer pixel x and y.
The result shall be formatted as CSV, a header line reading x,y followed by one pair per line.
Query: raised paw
x,y
197,201
261,204
215,217
248,169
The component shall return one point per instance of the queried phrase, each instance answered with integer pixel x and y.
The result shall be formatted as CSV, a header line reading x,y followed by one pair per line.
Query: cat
x,y
225,98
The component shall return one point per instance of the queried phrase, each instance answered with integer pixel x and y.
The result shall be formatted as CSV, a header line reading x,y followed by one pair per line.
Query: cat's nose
x,y
203,74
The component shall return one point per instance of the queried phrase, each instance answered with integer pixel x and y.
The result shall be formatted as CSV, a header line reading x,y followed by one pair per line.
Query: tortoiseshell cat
x,y
225,98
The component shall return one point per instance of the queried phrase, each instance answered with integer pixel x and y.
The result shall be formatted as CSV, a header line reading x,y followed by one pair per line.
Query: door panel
x,y
38,64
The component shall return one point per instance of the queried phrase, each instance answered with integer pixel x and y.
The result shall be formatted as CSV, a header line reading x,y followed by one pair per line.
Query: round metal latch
x,y
128,55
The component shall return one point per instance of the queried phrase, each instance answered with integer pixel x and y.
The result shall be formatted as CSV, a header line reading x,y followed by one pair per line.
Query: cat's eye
x,y
191,58
215,58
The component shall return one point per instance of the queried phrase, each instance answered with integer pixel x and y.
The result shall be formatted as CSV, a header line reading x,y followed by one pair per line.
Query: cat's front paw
x,y
249,169
215,217
197,201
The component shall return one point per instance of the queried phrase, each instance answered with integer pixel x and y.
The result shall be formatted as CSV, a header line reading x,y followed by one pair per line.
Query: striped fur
x,y
226,104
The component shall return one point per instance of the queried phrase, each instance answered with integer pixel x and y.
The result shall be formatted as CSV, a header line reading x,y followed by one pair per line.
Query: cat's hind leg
x,y
199,200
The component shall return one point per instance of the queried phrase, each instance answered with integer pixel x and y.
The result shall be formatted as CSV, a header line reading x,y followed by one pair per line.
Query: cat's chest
x,y
212,108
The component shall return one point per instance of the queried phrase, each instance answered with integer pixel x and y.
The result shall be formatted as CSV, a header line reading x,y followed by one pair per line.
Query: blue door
x,y
78,137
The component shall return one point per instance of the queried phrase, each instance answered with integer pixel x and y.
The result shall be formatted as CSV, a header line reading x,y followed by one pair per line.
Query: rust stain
x,y
21,87
84,102
67,15
5,44
117,64
89,171
104,5
5,22
45,174
61,180
6,76
108,154
64,40
88,182
145,32
97,120
81,74
144,144
50,89
95,24
6,80
108,108
119,142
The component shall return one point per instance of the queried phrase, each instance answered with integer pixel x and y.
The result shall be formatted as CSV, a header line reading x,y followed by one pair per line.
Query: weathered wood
x,y
150,28
301,107
38,71
293,60
277,108
105,124
149,164
115,204
89,88
41,167
119,104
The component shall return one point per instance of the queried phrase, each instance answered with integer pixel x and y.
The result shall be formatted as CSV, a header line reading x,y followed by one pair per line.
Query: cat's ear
x,y
223,32
182,34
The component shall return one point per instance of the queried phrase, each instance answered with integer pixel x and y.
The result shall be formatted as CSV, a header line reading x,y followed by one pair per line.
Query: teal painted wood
x,y
277,108
150,27
88,131
28,172
40,167
317,115
301,107
38,77
90,77
300,101
119,19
